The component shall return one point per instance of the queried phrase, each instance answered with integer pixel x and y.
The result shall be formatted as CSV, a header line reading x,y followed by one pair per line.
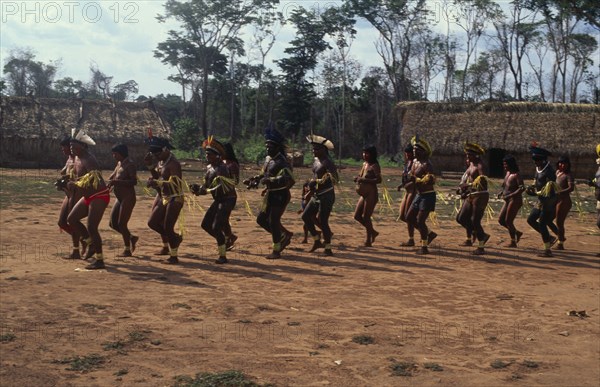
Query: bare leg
x,y
464,218
124,215
79,211
95,213
404,207
358,216
507,215
562,210
369,207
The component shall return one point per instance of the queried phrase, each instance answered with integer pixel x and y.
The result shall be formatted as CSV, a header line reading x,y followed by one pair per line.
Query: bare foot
x,y
134,240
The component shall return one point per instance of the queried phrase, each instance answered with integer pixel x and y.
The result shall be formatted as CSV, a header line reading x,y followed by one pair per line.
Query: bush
x,y
251,149
186,135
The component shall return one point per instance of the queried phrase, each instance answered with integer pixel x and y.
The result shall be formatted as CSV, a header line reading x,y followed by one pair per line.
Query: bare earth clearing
x,y
366,316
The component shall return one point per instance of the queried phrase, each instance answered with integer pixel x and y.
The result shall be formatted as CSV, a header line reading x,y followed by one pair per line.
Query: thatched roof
x,y
104,120
561,128
31,129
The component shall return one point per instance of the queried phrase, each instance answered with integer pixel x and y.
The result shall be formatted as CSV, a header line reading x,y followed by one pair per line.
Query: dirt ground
x,y
377,316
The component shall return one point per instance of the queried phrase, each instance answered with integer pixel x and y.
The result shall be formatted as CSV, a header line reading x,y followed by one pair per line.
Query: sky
x,y
119,36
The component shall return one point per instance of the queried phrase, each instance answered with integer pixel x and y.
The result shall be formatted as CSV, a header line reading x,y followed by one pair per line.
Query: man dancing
x,y
409,195
67,174
221,186
512,193
595,182
277,178
422,176
96,196
166,179
322,184
545,190
474,191
233,166
123,180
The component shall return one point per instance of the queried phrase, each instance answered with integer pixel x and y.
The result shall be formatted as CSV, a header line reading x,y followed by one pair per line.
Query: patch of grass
x,y
530,364
28,187
181,305
363,340
499,364
433,367
118,346
7,337
83,364
230,378
403,368
138,335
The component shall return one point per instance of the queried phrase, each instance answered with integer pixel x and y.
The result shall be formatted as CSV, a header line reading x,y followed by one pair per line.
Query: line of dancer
x,y
88,195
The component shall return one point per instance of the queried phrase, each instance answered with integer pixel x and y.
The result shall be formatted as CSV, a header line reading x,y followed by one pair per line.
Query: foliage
x,y
83,364
186,134
223,379
251,149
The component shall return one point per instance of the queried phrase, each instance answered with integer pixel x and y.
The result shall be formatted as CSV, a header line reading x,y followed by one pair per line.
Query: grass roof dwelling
x,y
505,128
31,129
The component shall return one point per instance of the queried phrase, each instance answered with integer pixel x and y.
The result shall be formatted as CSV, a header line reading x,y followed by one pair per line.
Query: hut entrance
x,y
495,162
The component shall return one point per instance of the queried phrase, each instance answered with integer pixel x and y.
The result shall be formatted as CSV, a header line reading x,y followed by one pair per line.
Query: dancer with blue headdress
x,y
276,176
545,189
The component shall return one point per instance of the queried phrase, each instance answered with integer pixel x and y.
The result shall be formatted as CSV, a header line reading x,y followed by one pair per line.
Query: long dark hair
x,y
511,162
230,153
565,160
372,151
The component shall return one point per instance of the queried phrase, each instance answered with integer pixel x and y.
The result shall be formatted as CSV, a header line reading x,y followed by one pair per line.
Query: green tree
x,y
68,88
208,28
514,36
297,91
186,135
25,76
398,22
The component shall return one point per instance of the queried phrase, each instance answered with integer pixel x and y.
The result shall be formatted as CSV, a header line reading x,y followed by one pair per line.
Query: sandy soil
x,y
305,319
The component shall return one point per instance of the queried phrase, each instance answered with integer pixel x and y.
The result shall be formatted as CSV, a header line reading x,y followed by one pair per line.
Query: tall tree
x,y
514,37
472,16
397,22
208,28
297,91
343,33
266,28
429,57
582,48
536,57
26,76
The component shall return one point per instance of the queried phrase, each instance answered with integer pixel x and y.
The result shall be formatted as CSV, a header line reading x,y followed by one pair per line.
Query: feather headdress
x,y
211,144
418,142
81,137
320,140
471,147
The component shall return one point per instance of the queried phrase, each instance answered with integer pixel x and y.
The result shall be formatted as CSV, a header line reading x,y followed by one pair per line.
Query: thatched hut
x,y
31,129
501,128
